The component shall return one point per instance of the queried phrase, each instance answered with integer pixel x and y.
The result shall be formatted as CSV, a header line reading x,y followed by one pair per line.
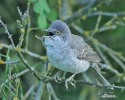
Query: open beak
x,y
50,33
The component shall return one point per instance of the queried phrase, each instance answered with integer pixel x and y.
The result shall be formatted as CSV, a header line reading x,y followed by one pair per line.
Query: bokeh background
x,y
42,13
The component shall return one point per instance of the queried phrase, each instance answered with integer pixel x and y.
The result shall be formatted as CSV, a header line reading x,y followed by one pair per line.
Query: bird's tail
x,y
92,75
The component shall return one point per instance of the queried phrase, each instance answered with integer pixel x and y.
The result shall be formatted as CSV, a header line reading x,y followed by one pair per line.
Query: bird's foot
x,y
57,76
69,80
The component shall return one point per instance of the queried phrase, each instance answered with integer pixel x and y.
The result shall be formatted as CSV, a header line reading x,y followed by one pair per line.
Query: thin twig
x,y
112,51
40,90
105,27
3,93
20,13
105,66
102,55
32,29
98,22
28,29
23,72
41,85
78,14
109,14
100,85
20,55
11,62
118,61
25,52
29,91
7,32
50,89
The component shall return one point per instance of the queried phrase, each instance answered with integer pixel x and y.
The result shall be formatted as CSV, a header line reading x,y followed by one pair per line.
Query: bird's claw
x,y
70,79
57,77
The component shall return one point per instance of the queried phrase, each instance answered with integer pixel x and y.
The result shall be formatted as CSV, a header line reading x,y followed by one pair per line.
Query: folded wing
x,y
83,50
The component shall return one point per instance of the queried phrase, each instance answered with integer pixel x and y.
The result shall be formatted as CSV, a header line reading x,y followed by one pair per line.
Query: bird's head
x,y
58,28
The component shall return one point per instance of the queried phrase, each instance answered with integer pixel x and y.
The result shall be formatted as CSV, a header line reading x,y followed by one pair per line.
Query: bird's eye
x,y
57,32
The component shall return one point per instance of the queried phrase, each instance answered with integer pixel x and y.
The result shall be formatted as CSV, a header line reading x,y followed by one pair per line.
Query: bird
x,y
70,53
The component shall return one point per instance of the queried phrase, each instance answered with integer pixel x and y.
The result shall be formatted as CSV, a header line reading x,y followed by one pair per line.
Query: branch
x,y
51,91
28,28
35,73
4,93
24,51
89,83
100,85
11,62
105,66
76,15
113,54
104,14
7,32
30,90
41,85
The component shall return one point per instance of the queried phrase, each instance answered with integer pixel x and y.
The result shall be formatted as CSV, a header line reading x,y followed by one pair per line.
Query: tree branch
x,y
76,15
100,85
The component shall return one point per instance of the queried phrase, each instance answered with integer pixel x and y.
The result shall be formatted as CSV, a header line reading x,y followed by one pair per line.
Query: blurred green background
x,y
42,14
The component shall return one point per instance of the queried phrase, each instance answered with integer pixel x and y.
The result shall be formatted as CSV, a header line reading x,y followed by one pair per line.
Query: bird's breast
x,y
65,59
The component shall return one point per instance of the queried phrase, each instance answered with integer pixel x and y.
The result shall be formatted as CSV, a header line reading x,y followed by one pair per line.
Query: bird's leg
x,y
57,76
70,79
64,75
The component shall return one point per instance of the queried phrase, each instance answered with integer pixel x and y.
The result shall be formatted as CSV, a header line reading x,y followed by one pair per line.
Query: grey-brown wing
x,y
83,50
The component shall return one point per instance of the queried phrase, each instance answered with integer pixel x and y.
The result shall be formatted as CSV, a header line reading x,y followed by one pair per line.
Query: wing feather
x,y
84,51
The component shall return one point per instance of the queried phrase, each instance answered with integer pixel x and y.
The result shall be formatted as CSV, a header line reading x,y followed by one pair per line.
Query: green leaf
x,y
41,6
46,7
38,7
53,15
31,0
42,21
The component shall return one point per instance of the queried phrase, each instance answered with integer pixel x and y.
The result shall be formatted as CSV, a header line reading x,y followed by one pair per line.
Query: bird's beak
x,y
50,33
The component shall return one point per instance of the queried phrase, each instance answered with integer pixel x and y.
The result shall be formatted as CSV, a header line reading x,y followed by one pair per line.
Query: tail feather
x,y
92,75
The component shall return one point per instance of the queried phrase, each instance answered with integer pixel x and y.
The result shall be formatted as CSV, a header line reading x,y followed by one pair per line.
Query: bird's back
x,y
84,51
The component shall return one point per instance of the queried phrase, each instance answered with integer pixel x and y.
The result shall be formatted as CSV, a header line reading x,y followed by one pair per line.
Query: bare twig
x,y
105,66
50,90
7,32
25,52
29,91
20,13
31,29
28,28
118,61
3,93
109,14
112,51
94,84
19,54
100,85
98,22
102,55
78,14
40,90
41,85
11,62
